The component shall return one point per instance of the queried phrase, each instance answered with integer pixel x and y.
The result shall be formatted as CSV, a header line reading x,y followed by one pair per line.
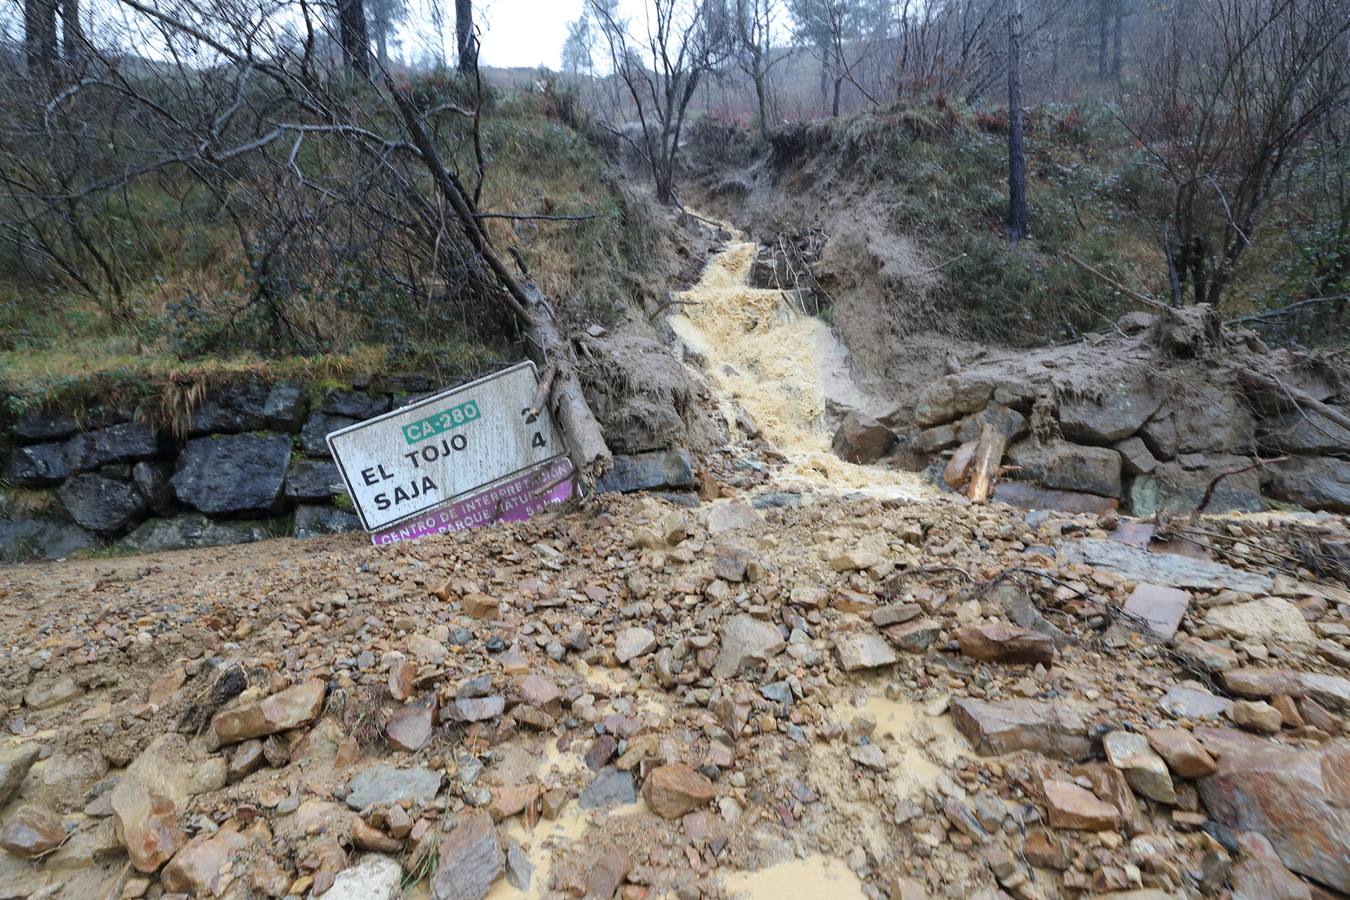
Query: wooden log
x,y
988,456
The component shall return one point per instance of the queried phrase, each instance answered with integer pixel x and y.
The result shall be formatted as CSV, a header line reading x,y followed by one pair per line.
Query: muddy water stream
x,y
781,367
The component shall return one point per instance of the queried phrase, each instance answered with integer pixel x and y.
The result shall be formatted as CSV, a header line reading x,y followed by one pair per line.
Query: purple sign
x,y
513,500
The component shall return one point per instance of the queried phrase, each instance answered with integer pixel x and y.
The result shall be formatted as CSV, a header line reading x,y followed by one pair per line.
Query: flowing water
x,y
781,367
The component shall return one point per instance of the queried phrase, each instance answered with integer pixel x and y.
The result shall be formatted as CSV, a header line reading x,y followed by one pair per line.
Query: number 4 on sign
x,y
538,439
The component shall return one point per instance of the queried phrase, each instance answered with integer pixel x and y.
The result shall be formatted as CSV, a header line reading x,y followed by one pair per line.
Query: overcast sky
x,y
531,32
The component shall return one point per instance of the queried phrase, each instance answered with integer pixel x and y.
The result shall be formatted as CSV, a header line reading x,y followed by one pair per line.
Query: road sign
x,y
512,499
404,463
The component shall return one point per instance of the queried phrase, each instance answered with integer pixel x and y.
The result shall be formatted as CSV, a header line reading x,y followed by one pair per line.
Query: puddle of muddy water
x,y
926,743
780,366
813,878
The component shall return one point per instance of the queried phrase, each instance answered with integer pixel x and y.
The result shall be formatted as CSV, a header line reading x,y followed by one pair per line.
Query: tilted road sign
x,y
406,462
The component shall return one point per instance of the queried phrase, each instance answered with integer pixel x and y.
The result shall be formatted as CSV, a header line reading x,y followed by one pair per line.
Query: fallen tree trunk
x,y
988,455
549,348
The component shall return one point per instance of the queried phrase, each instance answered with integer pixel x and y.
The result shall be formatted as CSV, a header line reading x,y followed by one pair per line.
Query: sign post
x,y
463,457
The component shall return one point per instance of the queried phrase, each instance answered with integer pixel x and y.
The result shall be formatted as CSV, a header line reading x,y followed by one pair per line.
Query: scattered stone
x,y
375,877
1331,691
246,759
914,637
386,784
674,790
632,643
45,693
1190,701
291,708
31,831
1072,807
519,869
1263,619
895,614
610,787
410,727
863,650
855,560
14,765
474,709
1161,608
1182,752
1261,876
1257,715
1169,569
203,867
996,728
607,872
470,858
996,642
862,439
746,641
1144,770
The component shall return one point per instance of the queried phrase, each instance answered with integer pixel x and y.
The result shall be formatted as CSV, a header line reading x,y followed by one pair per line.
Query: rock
x,y
668,469
1305,432
997,727
191,531
474,709
317,521
1264,619
1144,770
914,637
1296,799
1330,691
674,790
203,868
285,407
101,504
470,858
45,424
1187,702
410,727
316,480
862,439
1126,408
855,560
354,404
869,756
1257,715
1067,467
314,434
1261,876
45,693
1135,458
149,801
1161,608
68,777
386,784
32,830
232,475
1182,752
118,444
14,765
610,787
291,708
1028,496
231,409
1216,420
746,641
1169,569
858,650
42,538
246,759
152,480
541,692
1209,657
1179,489
895,614
36,465
732,515
606,873
996,642
1072,807
1006,421
1316,482
519,869
375,877
632,643
950,398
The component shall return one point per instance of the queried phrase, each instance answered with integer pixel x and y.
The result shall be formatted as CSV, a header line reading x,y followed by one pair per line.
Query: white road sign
x,y
407,461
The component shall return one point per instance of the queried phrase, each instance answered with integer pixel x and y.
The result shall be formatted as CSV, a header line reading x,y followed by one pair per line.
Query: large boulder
x,y
1068,467
1304,431
1299,800
661,470
315,521
1118,414
101,504
152,480
286,407
127,442
951,397
1317,482
315,480
354,404
862,439
231,409
233,474
1215,420
189,531
1176,488
42,425
36,465
24,538
314,434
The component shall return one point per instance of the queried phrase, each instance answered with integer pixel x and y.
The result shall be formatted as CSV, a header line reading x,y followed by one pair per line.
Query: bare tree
x,y
1017,163
755,54
353,36
466,41
1235,90
661,70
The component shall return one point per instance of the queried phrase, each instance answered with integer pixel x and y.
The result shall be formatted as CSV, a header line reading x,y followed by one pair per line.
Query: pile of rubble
x,y
923,699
